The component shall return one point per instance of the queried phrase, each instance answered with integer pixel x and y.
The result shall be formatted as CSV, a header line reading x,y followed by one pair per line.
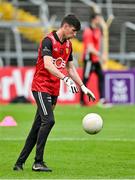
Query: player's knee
x,y
48,122
51,122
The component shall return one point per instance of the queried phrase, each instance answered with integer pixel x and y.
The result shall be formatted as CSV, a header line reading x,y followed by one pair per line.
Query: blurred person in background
x,y
92,56
54,55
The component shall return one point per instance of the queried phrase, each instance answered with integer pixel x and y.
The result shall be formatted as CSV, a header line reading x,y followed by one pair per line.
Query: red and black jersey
x,y
61,53
92,36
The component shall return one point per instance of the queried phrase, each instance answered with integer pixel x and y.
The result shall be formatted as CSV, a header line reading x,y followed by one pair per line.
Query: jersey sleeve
x,y
70,56
46,47
87,36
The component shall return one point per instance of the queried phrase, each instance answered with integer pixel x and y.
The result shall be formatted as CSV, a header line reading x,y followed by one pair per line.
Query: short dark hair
x,y
72,20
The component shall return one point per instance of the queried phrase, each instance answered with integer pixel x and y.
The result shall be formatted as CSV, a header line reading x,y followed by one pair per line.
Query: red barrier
x,y
16,82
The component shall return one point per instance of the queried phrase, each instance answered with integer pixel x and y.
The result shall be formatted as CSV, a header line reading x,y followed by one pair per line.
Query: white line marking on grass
x,y
71,179
74,139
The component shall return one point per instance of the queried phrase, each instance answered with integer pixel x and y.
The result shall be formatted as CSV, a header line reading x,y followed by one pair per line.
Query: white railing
x,y
67,4
123,40
18,54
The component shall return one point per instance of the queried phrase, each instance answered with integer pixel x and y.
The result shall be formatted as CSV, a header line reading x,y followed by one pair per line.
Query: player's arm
x,y
92,50
75,76
73,73
48,64
47,58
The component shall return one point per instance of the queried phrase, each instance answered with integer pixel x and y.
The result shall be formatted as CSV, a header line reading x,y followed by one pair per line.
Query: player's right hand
x,y
88,93
71,84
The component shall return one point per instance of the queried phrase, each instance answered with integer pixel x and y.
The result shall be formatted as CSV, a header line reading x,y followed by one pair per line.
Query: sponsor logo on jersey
x,y
45,49
59,63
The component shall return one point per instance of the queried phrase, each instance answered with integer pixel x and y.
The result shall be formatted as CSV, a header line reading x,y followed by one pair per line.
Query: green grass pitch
x,y
70,152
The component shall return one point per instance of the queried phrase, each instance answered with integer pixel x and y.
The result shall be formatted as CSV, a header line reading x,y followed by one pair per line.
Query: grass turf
x,y
70,152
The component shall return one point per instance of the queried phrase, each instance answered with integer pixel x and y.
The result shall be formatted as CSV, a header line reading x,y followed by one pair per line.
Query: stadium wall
x,y
119,86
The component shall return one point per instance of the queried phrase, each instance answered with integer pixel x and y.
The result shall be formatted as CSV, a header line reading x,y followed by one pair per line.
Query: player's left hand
x,y
71,84
88,93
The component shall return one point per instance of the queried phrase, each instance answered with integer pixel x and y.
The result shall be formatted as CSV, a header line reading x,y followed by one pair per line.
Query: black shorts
x,y
44,102
41,95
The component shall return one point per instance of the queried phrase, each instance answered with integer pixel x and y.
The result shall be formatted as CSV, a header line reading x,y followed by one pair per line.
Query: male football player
x,y
92,57
54,55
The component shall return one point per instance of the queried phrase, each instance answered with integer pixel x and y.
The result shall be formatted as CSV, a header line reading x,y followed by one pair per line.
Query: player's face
x,y
70,32
98,20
